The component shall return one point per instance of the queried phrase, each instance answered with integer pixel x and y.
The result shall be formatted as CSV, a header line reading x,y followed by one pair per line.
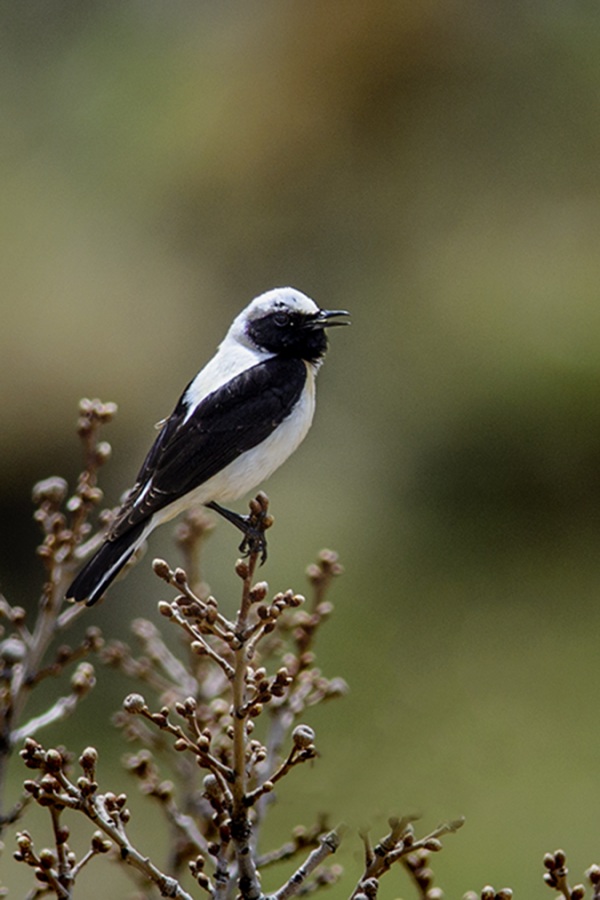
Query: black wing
x,y
233,419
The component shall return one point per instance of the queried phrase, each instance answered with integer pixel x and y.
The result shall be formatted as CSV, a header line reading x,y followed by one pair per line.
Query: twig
x,y
240,823
395,846
328,845
62,708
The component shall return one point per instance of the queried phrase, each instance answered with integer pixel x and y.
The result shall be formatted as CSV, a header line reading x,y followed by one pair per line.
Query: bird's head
x,y
286,322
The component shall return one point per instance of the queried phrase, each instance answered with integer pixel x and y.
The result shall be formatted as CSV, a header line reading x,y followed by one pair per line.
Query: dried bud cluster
x,y
556,876
25,660
55,789
556,865
401,845
64,531
51,868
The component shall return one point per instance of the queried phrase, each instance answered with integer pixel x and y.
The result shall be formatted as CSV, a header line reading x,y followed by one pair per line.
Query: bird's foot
x,y
253,526
256,524
254,543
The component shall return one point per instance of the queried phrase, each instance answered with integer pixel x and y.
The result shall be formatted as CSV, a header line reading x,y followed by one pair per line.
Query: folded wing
x,y
191,448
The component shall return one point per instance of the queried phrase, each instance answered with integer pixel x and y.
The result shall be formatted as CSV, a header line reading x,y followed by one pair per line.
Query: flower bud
x,y
303,736
161,568
12,650
134,704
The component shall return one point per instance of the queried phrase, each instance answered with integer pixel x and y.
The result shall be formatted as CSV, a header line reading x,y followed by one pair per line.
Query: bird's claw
x,y
254,542
256,524
253,525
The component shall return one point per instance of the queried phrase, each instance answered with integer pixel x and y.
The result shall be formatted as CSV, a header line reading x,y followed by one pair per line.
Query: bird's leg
x,y
252,526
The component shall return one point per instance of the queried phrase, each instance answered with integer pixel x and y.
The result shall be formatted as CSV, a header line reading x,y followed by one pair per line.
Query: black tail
x,y
105,565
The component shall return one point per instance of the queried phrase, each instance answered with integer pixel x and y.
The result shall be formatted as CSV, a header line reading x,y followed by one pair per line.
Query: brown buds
x,y
242,568
161,568
259,592
51,490
593,874
83,679
88,759
53,761
99,843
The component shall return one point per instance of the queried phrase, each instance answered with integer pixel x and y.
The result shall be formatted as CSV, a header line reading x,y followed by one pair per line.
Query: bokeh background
x,y
434,168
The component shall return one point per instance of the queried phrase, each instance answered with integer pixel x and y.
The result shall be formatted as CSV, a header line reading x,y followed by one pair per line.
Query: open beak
x,y
326,318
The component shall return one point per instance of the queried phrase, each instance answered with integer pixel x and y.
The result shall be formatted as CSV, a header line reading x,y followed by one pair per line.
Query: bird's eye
x,y
281,319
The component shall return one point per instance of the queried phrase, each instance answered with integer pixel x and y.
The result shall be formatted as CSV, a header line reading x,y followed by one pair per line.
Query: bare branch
x,y
328,845
60,709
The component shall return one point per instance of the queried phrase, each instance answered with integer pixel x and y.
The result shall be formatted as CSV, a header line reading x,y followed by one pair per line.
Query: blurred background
x,y
434,168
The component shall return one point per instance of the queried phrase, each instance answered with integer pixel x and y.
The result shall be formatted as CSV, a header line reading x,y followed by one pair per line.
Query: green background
x,y
435,169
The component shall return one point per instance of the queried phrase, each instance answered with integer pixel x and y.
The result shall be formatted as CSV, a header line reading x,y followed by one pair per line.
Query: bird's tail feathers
x,y
105,565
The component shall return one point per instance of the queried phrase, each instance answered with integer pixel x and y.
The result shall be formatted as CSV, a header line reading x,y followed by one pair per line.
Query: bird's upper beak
x,y
325,318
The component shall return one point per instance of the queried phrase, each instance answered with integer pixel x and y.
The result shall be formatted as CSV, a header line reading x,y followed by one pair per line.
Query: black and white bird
x,y
236,422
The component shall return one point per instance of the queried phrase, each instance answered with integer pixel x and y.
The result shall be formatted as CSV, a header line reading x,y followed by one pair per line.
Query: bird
x,y
235,423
